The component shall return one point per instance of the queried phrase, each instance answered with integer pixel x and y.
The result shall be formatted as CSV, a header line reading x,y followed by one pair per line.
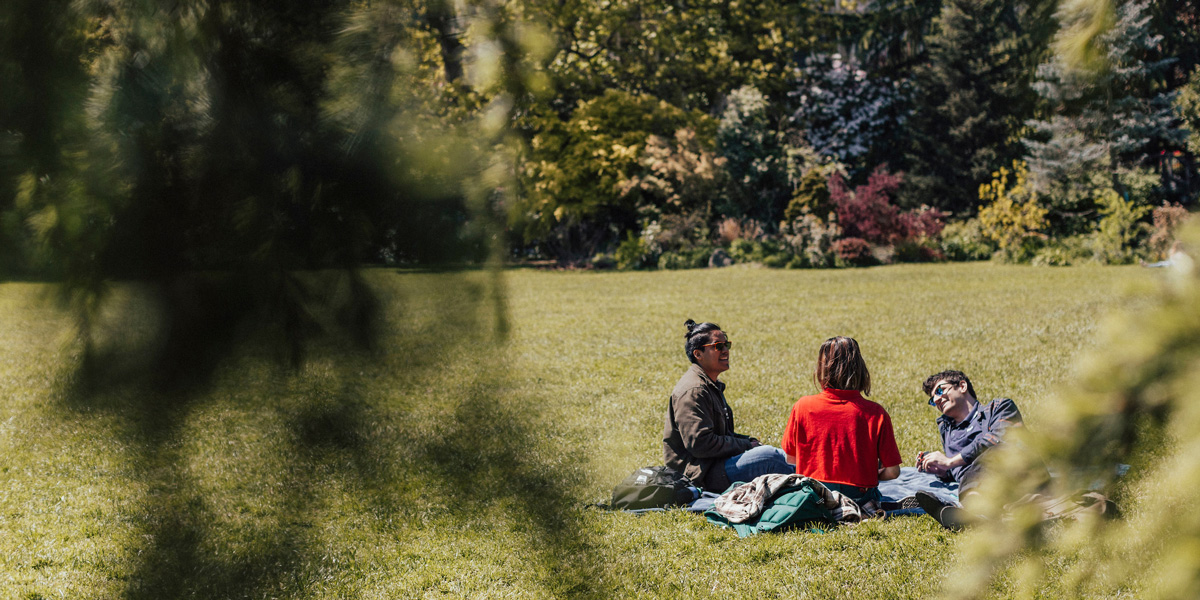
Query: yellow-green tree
x,y
1009,213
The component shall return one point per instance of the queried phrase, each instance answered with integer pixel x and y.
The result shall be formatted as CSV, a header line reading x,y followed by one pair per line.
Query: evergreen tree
x,y
1104,120
755,159
972,98
252,141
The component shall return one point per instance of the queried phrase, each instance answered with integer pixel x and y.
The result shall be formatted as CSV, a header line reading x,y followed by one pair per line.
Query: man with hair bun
x,y
698,436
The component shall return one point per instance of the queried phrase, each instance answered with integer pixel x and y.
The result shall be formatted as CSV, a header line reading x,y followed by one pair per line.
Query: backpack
x,y
654,487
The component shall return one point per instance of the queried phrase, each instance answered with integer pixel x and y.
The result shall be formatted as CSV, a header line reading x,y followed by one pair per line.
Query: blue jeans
x,y
756,461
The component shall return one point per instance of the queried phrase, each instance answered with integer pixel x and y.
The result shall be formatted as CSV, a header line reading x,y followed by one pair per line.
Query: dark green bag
x,y
654,487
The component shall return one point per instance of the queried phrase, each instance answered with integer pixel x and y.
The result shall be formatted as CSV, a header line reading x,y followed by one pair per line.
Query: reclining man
x,y
968,430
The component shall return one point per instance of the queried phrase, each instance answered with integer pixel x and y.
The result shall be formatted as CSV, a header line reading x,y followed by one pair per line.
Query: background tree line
x,y
143,140
821,134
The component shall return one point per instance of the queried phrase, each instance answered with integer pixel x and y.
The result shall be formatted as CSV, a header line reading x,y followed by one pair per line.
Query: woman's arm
x,y
887,473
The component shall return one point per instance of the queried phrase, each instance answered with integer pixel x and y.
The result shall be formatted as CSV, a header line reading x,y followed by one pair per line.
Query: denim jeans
x,y
756,461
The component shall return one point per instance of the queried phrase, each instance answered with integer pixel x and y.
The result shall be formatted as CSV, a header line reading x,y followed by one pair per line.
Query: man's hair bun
x,y
690,324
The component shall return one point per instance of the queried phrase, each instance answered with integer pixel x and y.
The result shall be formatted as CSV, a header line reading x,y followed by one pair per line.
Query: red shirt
x,y
838,436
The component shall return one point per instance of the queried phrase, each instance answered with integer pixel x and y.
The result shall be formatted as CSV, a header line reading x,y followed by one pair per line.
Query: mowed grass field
x,y
459,458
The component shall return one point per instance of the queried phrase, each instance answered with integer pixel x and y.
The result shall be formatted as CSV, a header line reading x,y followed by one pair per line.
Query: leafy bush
x,y
812,195
777,260
1011,216
868,213
577,171
602,262
964,240
1062,252
634,254
1120,229
798,262
755,157
1167,219
811,241
681,231
917,250
924,222
746,251
730,230
680,174
853,252
693,258
1142,185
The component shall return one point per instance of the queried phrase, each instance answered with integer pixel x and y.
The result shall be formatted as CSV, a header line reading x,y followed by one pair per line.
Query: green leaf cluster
x,y
575,169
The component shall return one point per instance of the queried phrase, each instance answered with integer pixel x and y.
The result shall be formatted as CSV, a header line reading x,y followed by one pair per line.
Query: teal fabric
x,y
791,507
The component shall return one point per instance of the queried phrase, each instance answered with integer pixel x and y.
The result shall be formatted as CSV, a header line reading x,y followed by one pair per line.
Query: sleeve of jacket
x,y
698,430
1001,414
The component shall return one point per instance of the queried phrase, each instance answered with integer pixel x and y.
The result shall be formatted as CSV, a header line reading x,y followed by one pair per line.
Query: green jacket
x,y
790,507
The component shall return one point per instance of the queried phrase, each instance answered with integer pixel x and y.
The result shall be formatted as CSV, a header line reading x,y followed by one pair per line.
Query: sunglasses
x,y
720,345
940,391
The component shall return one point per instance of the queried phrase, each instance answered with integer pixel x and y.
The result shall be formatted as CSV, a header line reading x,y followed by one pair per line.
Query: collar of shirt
x,y
720,385
841,395
949,423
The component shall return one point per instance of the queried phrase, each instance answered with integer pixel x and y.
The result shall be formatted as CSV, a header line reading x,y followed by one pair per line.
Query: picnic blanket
x,y
899,495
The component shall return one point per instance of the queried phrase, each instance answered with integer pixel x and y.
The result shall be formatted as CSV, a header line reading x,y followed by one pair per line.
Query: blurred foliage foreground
x,y
1136,401
214,149
242,159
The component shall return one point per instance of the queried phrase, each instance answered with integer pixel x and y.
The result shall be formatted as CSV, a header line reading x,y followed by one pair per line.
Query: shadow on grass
x,y
186,338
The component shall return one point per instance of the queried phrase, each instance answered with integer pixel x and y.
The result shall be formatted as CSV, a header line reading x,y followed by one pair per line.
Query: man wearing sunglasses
x,y
968,428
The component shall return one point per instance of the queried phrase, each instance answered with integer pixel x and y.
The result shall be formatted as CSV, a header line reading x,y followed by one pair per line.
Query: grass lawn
x,y
450,464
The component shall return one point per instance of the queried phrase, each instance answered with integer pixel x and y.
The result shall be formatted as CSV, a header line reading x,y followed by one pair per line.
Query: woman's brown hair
x,y
840,366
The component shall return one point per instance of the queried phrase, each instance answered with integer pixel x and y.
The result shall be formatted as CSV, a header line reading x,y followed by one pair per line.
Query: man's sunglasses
x,y
719,345
940,391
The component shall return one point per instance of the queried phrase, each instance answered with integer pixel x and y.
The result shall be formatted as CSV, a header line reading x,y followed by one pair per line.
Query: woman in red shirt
x,y
838,437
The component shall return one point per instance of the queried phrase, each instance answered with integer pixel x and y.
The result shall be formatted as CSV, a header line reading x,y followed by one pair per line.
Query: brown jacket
x,y
698,435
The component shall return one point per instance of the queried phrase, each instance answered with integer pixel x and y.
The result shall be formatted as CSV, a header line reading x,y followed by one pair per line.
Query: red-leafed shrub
x,y
868,212
854,251
924,222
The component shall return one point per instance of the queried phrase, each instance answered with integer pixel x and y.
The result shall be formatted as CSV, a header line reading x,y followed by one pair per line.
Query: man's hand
x,y
937,463
754,443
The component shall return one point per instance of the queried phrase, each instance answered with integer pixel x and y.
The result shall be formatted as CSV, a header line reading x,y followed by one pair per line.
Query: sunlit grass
x,y
450,464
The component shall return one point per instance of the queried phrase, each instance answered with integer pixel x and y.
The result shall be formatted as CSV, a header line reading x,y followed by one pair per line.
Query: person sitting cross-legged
x,y
838,437
698,436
